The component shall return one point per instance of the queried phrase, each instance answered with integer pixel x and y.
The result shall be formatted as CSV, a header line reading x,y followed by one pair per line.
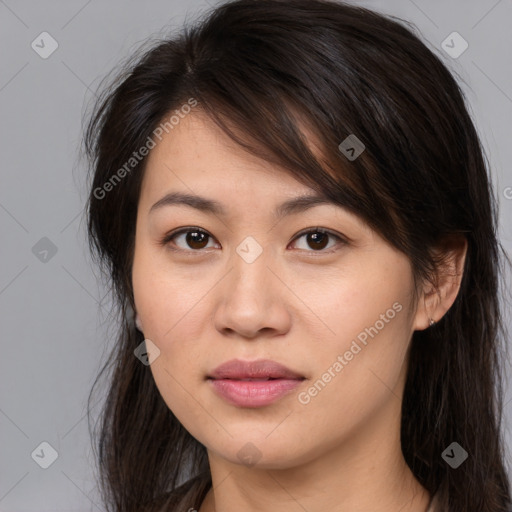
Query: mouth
x,y
260,369
253,383
256,380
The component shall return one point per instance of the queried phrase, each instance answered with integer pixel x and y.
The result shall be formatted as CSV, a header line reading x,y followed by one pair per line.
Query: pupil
x,y
319,240
192,237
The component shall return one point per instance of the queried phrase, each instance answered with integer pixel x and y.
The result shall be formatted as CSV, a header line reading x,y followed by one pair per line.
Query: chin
x,y
261,452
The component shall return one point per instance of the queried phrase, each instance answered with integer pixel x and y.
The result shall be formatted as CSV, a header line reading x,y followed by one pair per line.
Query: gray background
x,y
54,329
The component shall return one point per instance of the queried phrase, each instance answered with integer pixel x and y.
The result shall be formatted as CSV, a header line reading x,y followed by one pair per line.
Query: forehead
x,y
197,153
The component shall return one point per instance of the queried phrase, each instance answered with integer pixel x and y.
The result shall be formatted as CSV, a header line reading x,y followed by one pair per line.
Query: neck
x,y
366,473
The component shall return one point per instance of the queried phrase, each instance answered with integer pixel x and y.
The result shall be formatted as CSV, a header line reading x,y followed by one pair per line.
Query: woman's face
x,y
337,312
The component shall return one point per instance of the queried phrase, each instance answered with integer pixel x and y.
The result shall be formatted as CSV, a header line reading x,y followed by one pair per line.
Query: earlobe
x,y
451,256
428,313
432,301
138,323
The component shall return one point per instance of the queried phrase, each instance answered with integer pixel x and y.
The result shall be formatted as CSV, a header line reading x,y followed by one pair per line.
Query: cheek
x,y
354,379
369,327
173,310
167,299
173,315
370,295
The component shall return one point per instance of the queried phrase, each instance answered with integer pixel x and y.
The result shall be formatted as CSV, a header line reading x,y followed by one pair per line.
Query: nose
x,y
253,300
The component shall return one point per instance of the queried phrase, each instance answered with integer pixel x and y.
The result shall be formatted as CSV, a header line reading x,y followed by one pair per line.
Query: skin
x,y
296,304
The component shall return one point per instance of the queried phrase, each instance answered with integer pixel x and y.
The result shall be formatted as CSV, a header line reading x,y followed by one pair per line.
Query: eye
x,y
317,239
195,239
192,238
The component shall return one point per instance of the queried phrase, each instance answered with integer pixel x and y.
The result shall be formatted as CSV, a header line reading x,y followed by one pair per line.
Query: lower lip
x,y
253,393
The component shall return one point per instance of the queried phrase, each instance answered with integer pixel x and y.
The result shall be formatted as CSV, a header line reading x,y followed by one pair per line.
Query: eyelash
x,y
168,238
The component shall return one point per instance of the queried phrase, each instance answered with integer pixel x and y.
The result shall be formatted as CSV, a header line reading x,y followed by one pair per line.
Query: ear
x,y
437,298
138,323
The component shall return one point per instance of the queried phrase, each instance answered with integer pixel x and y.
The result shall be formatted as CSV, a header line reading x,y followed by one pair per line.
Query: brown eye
x,y
317,239
189,239
197,239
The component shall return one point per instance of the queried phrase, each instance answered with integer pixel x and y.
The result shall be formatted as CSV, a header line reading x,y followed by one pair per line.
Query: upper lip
x,y
258,369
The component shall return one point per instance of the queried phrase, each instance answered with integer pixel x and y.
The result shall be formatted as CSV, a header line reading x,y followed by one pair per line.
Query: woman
x,y
293,207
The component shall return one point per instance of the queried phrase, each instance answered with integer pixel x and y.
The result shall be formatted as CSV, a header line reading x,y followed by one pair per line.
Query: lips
x,y
253,383
261,369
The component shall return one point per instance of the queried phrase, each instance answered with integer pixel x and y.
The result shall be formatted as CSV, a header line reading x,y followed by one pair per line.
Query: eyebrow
x,y
291,206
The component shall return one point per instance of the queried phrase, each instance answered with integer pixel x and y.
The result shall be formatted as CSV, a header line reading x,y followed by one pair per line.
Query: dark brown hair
x,y
261,69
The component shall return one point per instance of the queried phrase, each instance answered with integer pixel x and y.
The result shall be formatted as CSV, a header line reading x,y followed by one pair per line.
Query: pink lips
x,y
253,383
